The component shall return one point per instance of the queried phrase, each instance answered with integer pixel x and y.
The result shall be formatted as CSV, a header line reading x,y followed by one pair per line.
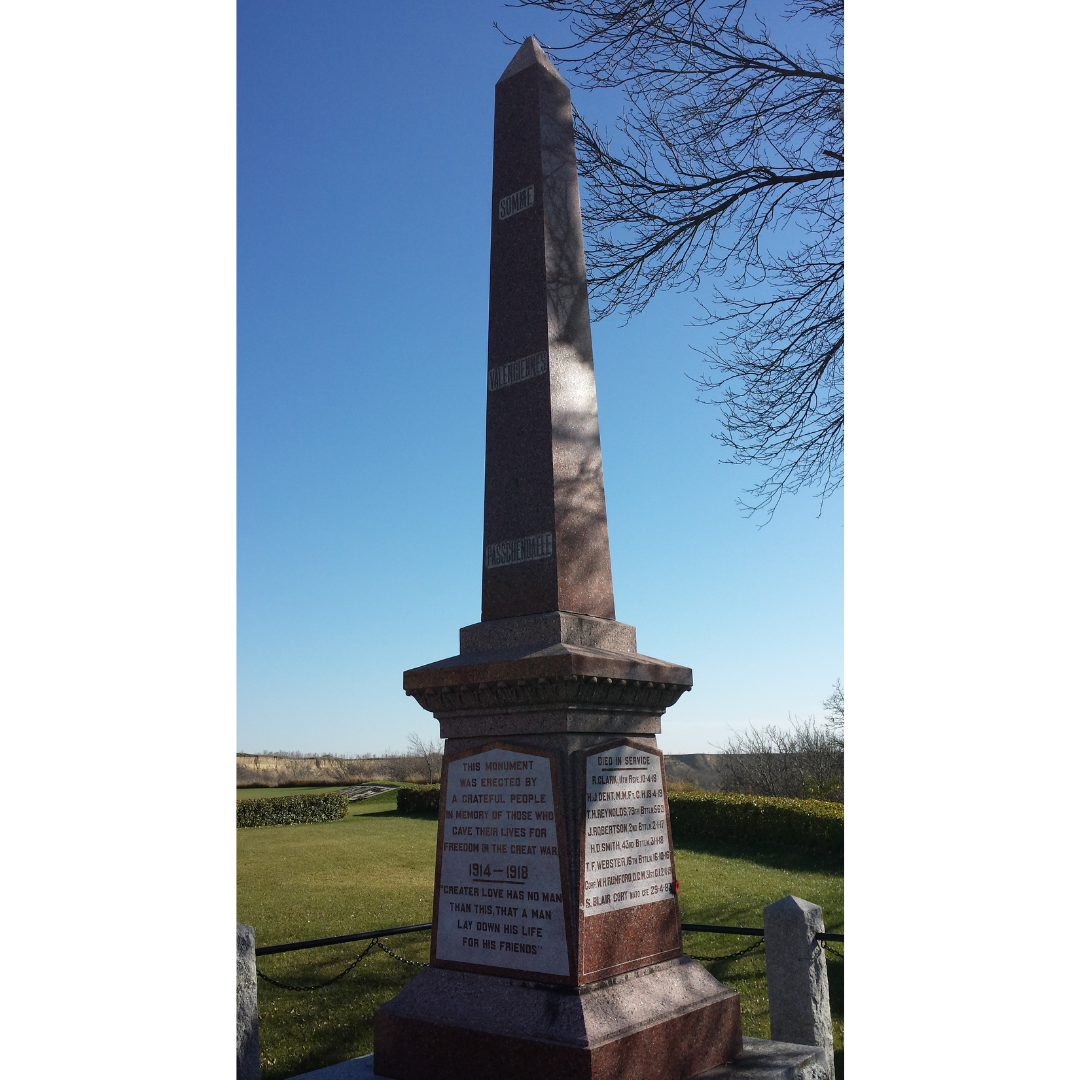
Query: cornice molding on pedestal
x,y
560,691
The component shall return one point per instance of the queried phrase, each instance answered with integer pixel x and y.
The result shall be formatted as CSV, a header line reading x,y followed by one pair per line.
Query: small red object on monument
x,y
556,949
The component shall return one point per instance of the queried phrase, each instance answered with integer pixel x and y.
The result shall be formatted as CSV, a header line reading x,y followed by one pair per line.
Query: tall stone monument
x,y
556,949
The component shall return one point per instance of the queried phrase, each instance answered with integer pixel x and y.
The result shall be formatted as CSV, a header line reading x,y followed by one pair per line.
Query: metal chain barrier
x,y
390,952
320,986
692,927
727,956
342,974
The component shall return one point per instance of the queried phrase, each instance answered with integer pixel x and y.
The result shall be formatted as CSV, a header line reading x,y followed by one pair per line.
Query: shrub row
x,y
799,824
423,799
292,810
795,824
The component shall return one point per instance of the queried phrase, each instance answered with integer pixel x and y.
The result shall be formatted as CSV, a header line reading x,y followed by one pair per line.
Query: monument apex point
x,y
530,53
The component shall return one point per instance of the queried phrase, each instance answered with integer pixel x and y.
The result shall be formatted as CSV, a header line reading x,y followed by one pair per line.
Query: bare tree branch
x,y
801,761
726,166
834,707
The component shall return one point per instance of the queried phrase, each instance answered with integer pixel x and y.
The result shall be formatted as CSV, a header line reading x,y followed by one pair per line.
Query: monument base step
x,y
668,1021
761,1059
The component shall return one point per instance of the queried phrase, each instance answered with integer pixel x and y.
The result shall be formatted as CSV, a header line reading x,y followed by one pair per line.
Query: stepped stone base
x,y
761,1059
669,1021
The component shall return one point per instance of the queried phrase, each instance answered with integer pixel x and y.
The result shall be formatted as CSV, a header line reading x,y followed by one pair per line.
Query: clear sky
x,y
364,170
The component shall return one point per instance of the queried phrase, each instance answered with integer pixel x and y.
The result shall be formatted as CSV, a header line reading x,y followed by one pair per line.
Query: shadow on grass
x,y
301,1031
775,858
835,968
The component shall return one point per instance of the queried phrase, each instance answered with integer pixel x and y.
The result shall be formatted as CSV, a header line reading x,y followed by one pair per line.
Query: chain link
x,y
320,986
342,974
417,963
390,952
727,956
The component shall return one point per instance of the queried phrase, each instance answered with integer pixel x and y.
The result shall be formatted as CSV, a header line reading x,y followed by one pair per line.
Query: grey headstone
x,y
247,1005
796,975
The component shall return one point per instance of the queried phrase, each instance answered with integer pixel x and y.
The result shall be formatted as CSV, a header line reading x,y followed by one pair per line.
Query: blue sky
x,y
364,161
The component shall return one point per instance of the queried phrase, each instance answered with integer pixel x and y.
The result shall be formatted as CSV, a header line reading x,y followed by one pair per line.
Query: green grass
x,y
376,867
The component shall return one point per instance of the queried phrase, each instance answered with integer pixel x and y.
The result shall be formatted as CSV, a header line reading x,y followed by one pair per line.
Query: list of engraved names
x,y
500,889
627,850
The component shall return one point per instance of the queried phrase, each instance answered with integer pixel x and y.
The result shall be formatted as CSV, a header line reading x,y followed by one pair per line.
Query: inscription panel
x,y
528,367
500,885
524,549
626,854
509,205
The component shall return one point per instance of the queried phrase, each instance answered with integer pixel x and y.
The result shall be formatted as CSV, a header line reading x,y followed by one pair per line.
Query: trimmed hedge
x,y
291,810
423,799
799,824
802,824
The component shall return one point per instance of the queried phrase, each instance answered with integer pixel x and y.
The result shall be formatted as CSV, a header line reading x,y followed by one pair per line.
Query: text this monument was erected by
x,y
556,948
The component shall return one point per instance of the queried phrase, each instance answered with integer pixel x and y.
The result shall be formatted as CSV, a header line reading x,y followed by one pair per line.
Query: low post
x,y
247,1005
796,975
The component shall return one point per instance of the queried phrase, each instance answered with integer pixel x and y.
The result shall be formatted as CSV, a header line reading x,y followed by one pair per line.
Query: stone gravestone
x,y
556,948
247,1005
797,977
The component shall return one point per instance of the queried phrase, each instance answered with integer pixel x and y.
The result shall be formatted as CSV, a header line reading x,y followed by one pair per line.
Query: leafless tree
x,y
400,768
427,757
834,708
727,166
801,761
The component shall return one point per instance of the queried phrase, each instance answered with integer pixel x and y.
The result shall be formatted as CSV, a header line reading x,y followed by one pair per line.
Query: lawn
x,y
375,868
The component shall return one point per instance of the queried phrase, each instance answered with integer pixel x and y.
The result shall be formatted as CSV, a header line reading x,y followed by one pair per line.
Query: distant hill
x,y
281,770
707,771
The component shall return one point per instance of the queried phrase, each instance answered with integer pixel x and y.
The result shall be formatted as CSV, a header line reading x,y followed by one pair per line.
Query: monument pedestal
x,y
556,947
668,1021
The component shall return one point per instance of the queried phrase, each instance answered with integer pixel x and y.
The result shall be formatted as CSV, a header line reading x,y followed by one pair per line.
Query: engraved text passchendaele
x,y
509,205
527,548
500,887
627,851
516,371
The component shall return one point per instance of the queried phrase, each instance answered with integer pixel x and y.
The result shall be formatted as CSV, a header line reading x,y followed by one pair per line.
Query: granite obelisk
x,y
556,948
545,521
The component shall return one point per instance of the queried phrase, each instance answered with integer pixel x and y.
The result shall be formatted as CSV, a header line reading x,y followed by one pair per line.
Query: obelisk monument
x,y
556,949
